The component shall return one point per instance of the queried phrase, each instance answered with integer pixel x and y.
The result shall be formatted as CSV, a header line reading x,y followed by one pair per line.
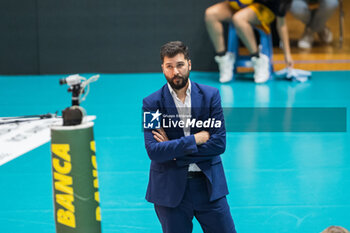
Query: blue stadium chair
x,y
244,60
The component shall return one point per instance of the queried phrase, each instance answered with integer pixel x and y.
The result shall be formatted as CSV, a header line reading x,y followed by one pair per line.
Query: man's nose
x,y
176,71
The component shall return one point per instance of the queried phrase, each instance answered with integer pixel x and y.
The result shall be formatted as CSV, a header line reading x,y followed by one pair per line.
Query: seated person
x,y
314,14
258,14
335,229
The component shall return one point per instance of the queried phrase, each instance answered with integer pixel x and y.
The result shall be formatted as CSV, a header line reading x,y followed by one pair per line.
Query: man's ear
x,y
162,67
189,64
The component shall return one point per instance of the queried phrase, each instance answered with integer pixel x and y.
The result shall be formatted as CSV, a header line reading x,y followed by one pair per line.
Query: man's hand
x,y
201,137
160,135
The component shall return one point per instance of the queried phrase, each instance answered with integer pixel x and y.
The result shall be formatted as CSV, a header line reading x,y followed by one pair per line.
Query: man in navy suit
x,y
186,175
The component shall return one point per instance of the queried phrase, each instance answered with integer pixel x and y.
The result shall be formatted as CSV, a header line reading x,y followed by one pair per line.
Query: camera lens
x,y
63,81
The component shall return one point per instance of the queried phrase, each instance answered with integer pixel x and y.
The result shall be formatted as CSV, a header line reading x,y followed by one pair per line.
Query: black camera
x,y
74,115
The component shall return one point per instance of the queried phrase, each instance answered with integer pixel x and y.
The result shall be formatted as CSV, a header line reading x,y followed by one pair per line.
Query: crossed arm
x,y
193,148
200,138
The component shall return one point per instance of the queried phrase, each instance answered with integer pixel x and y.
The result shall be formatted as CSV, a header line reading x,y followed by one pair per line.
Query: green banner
x,y
75,183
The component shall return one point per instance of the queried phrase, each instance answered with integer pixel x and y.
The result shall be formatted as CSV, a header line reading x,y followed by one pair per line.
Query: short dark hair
x,y
173,48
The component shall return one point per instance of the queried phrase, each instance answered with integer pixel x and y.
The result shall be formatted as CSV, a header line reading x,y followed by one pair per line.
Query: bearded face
x,y
176,71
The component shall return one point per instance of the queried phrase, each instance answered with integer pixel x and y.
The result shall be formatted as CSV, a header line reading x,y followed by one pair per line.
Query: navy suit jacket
x,y
168,177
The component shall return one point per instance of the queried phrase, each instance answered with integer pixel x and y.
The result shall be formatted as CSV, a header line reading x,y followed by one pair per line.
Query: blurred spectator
x,y
314,14
335,229
260,14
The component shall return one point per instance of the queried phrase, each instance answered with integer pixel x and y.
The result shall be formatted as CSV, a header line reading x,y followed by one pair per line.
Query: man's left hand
x,y
160,135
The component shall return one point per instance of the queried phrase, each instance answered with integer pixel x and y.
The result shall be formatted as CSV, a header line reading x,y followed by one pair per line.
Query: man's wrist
x,y
201,137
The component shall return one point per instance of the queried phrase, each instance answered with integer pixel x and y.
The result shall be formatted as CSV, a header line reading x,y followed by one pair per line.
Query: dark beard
x,y
181,84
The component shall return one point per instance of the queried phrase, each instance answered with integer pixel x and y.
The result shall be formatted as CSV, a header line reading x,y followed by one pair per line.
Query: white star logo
x,y
156,115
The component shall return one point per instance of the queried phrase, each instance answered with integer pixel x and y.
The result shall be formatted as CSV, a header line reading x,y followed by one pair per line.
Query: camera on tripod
x,y
74,115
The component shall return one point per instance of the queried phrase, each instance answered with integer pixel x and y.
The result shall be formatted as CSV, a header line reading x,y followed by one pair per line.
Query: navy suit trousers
x,y
214,217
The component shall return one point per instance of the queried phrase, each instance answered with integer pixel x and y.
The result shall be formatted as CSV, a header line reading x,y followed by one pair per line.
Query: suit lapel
x,y
169,108
168,101
196,101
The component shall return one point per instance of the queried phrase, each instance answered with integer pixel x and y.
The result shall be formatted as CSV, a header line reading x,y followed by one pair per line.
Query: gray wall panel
x,y
18,37
117,36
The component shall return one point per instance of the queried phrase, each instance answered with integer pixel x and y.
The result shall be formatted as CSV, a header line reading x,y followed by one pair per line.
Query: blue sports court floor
x,y
278,182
